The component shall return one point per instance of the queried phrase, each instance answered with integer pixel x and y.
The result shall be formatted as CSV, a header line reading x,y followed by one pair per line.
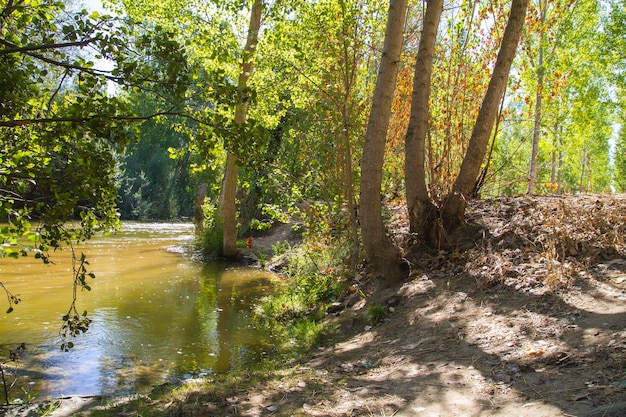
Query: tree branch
x,y
43,120
12,48
10,8
67,65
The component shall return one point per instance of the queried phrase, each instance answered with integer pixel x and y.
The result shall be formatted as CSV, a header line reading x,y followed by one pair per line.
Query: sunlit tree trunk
x,y
381,253
456,202
229,186
421,210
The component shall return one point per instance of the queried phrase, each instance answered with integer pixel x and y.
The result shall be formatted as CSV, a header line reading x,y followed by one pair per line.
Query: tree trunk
x,y
229,207
349,69
383,257
422,212
532,175
228,199
456,201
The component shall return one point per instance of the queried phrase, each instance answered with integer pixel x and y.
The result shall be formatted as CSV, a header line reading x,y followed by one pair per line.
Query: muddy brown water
x,y
158,316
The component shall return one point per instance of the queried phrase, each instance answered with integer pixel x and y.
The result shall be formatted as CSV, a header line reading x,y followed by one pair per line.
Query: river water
x,y
158,316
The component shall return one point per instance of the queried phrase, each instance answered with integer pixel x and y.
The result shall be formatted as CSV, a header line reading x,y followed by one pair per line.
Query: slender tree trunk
x,y
229,206
553,165
560,160
382,255
554,168
228,200
585,171
349,192
421,210
532,175
350,64
454,206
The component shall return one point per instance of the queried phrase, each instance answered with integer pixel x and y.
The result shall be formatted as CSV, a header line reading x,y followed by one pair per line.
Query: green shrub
x,y
260,225
209,241
295,313
376,313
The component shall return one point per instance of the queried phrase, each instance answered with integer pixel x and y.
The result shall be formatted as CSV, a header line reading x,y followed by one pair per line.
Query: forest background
x,y
124,115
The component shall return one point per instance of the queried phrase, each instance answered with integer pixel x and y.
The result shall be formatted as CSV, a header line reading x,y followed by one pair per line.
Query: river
x,y
158,316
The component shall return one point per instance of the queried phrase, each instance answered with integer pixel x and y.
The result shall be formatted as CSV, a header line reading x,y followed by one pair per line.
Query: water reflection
x,y
157,316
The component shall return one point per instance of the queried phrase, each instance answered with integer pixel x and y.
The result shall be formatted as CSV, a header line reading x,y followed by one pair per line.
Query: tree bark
x,y
382,255
456,201
421,210
228,198
532,174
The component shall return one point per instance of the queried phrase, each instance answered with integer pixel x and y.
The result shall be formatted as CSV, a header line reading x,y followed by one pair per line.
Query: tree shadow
x,y
539,355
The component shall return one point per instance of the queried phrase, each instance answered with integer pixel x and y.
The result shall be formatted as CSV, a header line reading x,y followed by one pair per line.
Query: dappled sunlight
x,y
355,343
463,351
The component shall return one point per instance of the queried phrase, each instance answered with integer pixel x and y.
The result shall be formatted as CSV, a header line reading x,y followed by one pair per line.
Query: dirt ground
x,y
530,322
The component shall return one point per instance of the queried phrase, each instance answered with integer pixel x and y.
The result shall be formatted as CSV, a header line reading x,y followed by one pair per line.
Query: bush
x,y
295,313
209,241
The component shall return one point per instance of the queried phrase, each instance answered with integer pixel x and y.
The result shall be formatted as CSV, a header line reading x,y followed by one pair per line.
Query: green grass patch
x,y
376,313
295,313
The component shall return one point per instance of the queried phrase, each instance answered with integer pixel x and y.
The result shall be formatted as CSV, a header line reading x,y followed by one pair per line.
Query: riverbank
x,y
531,322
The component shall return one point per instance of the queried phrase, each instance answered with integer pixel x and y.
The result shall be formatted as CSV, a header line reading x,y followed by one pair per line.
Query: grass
x,y
205,397
376,313
314,277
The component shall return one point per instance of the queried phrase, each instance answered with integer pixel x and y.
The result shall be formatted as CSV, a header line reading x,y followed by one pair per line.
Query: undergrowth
x,y
313,278
552,239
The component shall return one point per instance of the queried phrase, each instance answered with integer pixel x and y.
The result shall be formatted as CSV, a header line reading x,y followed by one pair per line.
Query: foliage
x,y
313,280
61,127
576,109
270,214
376,313
209,242
159,173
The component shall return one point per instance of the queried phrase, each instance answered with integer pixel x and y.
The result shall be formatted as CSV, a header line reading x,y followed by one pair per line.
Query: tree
x,y
551,21
454,206
430,221
565,104
228,203
382,255
223,99
532,175
614,48
60,128
421,209
328,61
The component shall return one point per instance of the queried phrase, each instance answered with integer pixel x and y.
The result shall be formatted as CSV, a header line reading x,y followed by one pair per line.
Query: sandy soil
x,y
530,322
